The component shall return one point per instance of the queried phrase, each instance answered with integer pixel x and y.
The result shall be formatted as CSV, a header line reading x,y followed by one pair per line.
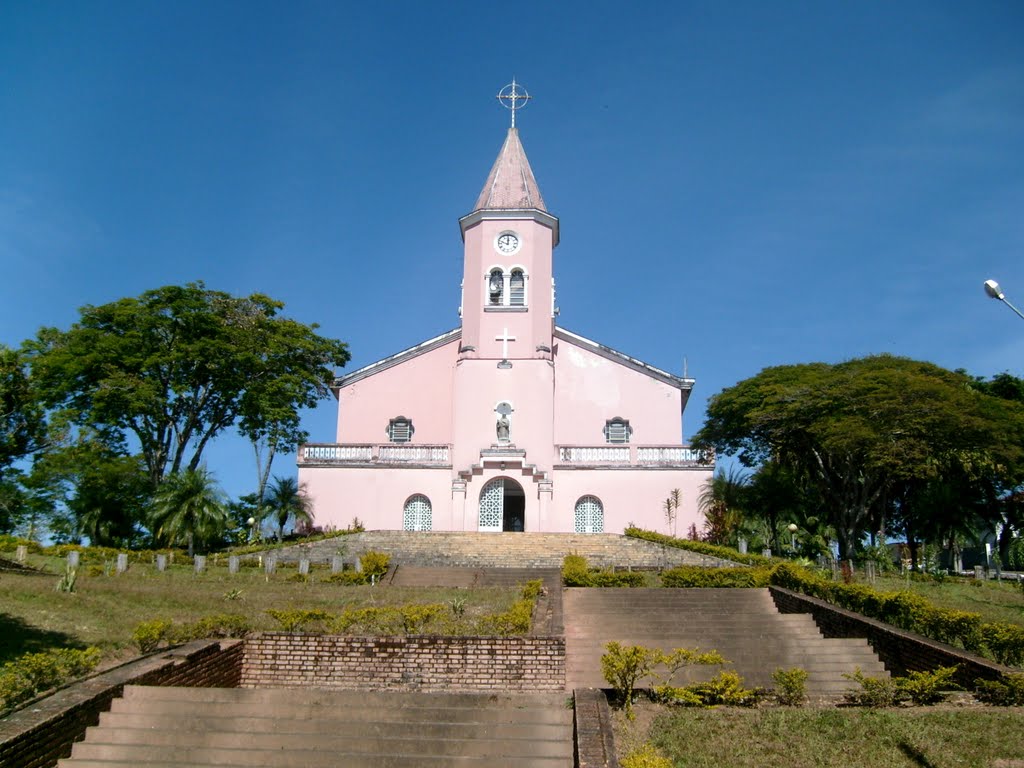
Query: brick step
x,y
332,700
84,755
481,715
280,722
480,742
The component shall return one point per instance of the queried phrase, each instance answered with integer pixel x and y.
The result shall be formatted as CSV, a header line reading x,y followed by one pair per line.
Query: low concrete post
x,y
122,562
233,564
270,564
979,572
74,557
161,563
303,566
21,554
359,565
337,564
199,563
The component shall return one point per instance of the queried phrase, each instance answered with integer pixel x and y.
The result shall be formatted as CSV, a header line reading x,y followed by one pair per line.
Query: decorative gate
x,y
417,514
492,505
589,515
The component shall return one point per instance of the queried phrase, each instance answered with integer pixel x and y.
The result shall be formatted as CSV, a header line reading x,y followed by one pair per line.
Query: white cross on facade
x,y
504,339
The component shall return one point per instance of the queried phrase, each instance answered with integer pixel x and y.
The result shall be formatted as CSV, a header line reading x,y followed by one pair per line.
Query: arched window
x,y
517,288
417,514
617,431
400,430
496,288
589,515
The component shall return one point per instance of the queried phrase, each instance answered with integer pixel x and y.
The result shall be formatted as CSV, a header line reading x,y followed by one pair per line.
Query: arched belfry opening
x,y
502,506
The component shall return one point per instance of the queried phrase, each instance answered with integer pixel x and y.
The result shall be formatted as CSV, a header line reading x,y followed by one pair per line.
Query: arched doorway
x,y
502,506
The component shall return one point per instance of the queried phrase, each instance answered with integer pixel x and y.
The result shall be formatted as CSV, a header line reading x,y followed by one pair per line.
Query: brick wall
x,y
37,735
407,663
900,651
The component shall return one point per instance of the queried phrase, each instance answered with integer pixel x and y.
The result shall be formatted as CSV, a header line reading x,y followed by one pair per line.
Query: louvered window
x,y
517,288
495,288
400,430
617,431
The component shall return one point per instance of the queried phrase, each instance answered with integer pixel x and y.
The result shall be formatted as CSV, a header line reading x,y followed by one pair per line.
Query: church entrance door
x,y
502,506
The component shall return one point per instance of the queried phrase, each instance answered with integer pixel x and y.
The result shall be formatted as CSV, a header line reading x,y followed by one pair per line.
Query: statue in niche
x,y
502,428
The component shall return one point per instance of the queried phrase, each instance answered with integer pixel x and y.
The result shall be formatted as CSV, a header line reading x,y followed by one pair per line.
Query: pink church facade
x,y
508,422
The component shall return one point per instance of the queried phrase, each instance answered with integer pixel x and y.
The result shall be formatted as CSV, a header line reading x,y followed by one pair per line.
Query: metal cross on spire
x,y
511,95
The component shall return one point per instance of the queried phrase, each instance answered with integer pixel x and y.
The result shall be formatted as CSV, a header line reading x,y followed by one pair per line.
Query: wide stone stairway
x,y
176,727
741,624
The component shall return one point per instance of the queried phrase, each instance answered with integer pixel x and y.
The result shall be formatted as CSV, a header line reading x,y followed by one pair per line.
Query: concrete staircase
x,y
177,727
742,624
501,550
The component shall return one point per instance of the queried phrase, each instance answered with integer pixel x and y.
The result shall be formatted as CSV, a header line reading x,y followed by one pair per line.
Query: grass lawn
x,y
104,610
994,600
939,737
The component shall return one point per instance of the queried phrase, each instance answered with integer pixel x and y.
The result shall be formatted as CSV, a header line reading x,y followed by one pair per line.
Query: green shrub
x,y
34,673
1003,642
148,635
575,572
375,563
217,625
416,617
10,543
924,688
624,665
1007,692
704,577
515,621
700,547
873,692
532,589
349,577
631,579
645,757
67,581
294,620
726,689
790,686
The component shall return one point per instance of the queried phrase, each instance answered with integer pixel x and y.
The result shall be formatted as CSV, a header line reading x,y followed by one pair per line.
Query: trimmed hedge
x,y
576,573
999,641
700,547
700,576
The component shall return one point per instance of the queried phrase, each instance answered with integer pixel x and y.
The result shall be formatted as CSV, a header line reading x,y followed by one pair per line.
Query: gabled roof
x,y
683,384
397,359
511,184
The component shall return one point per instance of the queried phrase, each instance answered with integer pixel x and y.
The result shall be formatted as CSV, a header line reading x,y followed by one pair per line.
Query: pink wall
x,y
376,495
419,389
592,389
480,385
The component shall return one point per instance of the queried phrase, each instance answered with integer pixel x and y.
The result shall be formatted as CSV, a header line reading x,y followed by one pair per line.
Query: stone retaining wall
x,y
41,733
899,650
285,659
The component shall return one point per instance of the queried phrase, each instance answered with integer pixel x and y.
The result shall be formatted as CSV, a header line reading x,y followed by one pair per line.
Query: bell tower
x,y
504,378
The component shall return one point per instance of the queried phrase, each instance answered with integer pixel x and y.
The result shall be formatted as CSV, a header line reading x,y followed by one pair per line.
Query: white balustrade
x,y
388,453
592,454
337,453
670,455
414,454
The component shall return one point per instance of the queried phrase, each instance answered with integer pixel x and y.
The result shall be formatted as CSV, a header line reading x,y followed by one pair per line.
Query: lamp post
x,y
792,528
252,529
993,290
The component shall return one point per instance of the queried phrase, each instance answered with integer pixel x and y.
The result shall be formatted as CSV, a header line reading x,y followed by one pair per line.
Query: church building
x,y
508,422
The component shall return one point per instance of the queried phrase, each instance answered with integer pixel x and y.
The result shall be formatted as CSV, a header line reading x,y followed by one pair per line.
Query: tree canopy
x,y
856,429
178,365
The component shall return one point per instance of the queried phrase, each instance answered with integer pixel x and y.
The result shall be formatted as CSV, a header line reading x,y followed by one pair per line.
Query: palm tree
x,y
722,501
188,506
286,501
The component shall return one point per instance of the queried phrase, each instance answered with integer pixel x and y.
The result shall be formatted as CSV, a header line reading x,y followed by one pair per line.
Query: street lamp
x,y
992,289
792,528
252,528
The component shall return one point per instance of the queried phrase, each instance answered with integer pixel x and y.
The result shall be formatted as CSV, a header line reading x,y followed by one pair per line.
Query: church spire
x,y
511,184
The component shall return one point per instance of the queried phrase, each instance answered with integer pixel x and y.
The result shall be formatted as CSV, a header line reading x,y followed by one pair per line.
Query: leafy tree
x,y
285,501
855,429
188,507
22,424
177,365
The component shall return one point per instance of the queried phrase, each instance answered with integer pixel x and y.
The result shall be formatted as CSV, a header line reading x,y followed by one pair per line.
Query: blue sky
x,y
742,184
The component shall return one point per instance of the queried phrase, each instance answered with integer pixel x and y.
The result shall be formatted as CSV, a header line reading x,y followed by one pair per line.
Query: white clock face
x,y
507,242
